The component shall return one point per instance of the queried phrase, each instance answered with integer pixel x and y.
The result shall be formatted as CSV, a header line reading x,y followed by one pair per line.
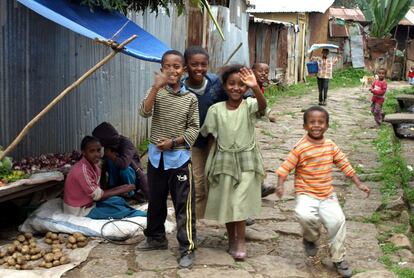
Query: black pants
x,y
323,89
179,183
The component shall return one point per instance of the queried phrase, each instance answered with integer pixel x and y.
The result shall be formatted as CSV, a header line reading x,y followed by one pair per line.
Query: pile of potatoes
x,y
76,240
21,251
25,249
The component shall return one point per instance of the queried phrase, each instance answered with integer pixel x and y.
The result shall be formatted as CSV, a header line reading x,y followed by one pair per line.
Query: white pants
x,y
310,212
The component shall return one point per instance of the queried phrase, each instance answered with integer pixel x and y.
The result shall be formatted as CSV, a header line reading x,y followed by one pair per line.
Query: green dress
x,y
234,168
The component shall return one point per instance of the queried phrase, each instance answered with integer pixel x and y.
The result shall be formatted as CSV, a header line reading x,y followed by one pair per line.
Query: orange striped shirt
x,y
313,166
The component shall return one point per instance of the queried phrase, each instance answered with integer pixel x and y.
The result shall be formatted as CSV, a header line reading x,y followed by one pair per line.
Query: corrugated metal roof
x,y
291,6
347,14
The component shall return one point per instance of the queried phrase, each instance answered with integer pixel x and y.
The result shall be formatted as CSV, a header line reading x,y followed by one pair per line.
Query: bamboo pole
x,y
116,48
232,54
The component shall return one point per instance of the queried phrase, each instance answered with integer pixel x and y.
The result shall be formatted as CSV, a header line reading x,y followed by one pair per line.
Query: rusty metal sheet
x,y
337,30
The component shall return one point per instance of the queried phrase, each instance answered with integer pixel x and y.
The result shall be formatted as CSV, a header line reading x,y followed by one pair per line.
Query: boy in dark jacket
x,y
121,159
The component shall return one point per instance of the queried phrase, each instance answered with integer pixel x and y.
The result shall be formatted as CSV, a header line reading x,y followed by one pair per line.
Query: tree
x,y
386,14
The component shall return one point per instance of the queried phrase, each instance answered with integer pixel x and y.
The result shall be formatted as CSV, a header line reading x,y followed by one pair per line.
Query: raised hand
x,y
160,80
247,77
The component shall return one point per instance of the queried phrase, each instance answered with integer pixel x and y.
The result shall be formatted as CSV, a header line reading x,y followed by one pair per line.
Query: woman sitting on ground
x,y
83,195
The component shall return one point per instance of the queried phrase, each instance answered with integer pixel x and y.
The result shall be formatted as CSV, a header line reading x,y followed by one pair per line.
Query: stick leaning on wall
x,y
116,48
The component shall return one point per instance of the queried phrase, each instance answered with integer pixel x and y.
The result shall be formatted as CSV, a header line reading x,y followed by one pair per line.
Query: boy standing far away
x,y
312,159
378,89
325,68
174,128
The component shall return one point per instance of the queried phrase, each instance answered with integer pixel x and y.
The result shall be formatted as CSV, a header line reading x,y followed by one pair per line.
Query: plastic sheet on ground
x,y
50,217
77,256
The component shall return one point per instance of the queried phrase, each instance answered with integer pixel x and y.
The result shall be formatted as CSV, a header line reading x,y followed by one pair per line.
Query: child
x,y
235,167
378,89
325,66
312,158
174,129
82,193
261,72
208,90
411,76
121,159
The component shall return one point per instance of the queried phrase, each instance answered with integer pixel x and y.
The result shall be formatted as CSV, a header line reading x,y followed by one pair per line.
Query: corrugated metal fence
x,y
39,59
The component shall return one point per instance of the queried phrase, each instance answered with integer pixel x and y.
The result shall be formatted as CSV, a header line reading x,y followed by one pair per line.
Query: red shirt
x,y
411,74
82,184
378,88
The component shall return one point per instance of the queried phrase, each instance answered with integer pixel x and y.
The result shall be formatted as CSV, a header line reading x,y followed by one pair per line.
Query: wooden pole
x,y
75,84
232,54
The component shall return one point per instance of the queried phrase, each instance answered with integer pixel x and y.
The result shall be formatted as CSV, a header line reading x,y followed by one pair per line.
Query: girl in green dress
x,y
234,167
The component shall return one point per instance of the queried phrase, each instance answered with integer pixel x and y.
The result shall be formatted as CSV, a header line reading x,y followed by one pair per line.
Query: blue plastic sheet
x,y
100,24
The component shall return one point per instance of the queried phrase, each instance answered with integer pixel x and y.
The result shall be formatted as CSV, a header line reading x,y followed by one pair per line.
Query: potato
x,y
74,246
17,267
82,243
69,245
2,261
57,255
32,240
3,253
56,246
64,260
11,262
19,248
16,254
81,238
20,260
48,265
34,251
25,242
35,257
48,241
11,249
48,257
48,234
27,257
54,251
53,236
71,239
16,242
42,264
25,249
42,252
77,235
61,239
32,244
26,267
21,238
56,263
28,235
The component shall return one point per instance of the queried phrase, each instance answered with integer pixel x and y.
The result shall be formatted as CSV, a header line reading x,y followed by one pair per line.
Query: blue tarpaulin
x,y
100,24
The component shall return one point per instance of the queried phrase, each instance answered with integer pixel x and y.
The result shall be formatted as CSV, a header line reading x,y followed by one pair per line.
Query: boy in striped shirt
x,y
174,129
312,158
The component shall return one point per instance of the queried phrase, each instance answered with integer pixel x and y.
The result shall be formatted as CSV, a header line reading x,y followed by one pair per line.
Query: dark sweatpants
x,y
323,89
179,183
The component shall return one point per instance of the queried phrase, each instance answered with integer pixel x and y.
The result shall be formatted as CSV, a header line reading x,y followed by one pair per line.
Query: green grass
x,y
143,147
395,174
391,104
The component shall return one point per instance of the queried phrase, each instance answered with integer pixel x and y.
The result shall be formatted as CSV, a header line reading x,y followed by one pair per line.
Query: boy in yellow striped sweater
x,y
312,158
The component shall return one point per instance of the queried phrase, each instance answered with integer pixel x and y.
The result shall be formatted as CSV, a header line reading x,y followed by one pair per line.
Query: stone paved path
x,y
274,242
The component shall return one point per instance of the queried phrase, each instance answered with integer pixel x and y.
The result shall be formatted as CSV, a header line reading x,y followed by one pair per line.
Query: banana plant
x,y
386,14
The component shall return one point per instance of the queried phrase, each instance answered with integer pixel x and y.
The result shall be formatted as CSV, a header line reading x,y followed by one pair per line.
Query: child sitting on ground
x,y
378,89
174,128
234,167
312,159
82,194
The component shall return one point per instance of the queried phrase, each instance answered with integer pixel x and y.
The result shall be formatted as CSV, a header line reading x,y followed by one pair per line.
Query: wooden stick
x,y
75,84
232,54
